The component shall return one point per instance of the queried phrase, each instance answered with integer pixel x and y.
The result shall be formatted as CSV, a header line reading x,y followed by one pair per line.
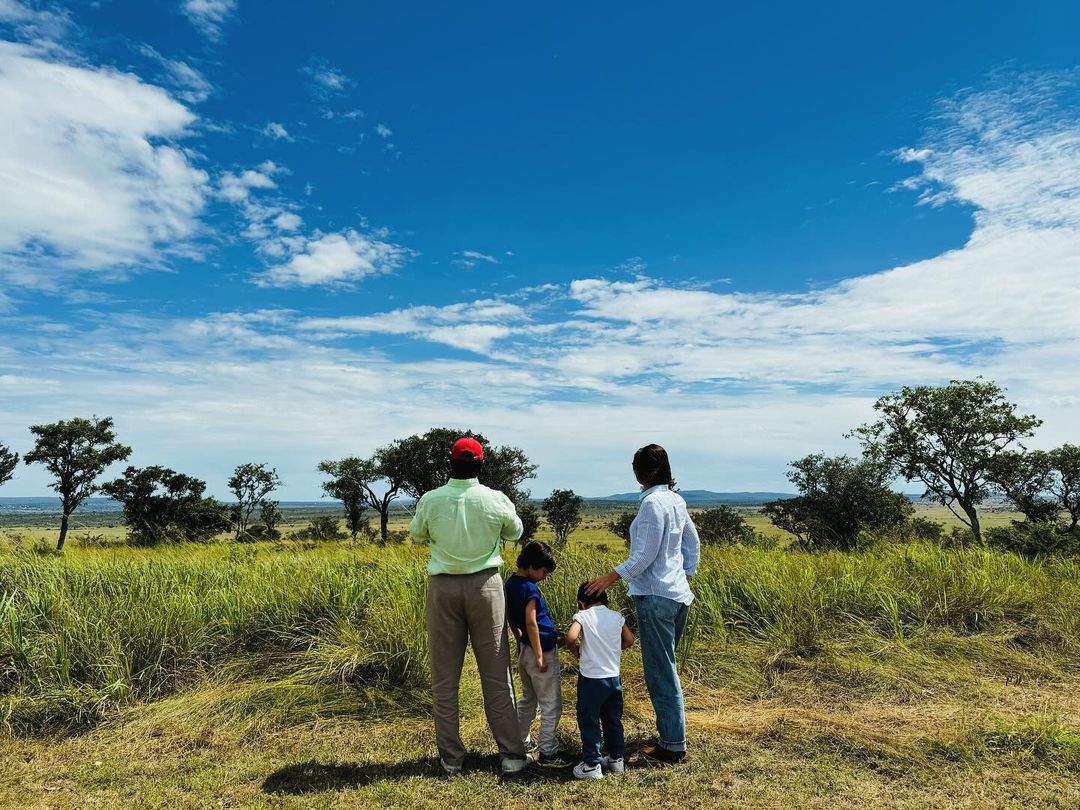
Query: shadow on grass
x,y
317,777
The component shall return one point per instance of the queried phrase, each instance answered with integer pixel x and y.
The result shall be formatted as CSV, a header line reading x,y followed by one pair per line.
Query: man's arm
x,y
573,639
533,629
418,525
511,523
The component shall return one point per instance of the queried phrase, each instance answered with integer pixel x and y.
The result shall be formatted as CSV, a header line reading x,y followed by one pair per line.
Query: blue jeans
x,y
599,710
661,622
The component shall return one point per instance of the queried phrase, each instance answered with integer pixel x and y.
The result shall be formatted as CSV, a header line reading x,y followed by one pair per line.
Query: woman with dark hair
x,y
664,552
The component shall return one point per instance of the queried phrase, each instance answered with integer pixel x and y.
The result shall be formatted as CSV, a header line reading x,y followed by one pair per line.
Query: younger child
x,y
538,657
598,636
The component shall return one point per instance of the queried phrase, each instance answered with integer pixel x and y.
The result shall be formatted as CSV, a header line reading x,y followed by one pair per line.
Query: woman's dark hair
x,y
587,598
465,467
652,466
537,554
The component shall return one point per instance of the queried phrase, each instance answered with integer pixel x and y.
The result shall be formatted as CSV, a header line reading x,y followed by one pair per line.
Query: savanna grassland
x,y
293,674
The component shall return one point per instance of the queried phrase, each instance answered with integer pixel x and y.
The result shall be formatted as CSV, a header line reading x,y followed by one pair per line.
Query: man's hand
x,y
601,584
541,664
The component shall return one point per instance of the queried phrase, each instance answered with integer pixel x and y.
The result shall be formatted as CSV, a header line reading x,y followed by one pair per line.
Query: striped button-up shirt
x,y
664,547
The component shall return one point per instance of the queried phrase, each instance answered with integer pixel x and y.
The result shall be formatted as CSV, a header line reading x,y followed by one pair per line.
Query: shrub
x,y
326,527
620,525
1032,539
722,525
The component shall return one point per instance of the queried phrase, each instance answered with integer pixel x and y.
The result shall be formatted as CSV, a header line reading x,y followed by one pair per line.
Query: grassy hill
x,y
294,675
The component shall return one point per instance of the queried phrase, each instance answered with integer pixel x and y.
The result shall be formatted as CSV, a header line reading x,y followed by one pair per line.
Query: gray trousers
x,y
540,690
463,608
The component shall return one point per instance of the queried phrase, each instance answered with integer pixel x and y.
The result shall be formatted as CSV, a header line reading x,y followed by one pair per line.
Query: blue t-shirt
x,y
519,591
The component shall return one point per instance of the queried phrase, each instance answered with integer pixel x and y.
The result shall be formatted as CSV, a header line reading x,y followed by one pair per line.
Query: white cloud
x,y
470,258
384,131
188,83
287,221
335,259
276,131
91,179
34,24
209,16
326,79
237,187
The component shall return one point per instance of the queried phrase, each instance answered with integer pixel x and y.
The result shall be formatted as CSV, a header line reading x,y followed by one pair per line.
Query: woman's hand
x,y
601,584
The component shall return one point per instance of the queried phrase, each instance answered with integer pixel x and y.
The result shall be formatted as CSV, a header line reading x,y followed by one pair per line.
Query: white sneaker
x,y
612,765
583,771
453,770
514,764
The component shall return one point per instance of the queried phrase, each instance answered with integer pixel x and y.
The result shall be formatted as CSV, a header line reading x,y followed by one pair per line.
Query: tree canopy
x,y
162,505
947,437
9,460
250,484
75,451
562,508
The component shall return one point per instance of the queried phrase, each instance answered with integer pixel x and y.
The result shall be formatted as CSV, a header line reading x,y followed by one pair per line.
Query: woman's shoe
x,y
583,771
658,755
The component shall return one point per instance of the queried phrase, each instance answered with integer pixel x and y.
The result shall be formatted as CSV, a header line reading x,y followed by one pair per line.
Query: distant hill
x,y
703,496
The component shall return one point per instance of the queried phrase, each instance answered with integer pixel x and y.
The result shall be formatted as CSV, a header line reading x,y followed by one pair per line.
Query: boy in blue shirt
x,y
538,655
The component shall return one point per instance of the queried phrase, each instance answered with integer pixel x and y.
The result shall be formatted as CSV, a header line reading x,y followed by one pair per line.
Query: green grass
x,y
295,674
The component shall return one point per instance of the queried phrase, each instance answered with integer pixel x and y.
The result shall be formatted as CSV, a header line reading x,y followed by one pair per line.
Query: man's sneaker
x,y
612,765
556,760
452,770
511,765
583,771
658,755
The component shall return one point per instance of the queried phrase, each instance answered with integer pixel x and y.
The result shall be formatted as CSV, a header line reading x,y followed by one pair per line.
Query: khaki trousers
x,y
540,690
463,608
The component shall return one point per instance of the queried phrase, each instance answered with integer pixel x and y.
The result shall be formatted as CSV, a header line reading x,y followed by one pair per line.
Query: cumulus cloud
x,y
276,131
334,259
93,180
384,131
209,16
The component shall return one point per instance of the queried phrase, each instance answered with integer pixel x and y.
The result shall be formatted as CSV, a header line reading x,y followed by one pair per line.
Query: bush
x,y
326,527
1032,539
920,528
722,525
620,525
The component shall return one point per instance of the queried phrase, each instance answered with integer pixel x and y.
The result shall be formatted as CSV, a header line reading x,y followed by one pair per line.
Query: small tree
x,y
352,482
250,484
271,517
562,508
949,438
75,452
839,497
722,525
620,525
421,463
161,505
530,521
9,460
1042,484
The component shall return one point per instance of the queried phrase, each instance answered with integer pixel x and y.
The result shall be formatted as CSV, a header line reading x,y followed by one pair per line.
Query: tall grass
x,y
88,633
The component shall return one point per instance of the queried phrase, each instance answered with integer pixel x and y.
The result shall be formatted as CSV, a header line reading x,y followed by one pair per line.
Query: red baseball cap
x,y
466,448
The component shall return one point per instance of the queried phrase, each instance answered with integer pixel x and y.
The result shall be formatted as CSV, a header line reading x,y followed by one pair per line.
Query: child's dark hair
x,y
587,598
537,554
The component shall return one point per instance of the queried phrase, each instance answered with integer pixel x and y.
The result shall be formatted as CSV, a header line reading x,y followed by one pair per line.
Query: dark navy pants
x,y
599,712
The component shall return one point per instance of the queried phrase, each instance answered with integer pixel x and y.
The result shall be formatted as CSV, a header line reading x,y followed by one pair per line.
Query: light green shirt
x,y
464,522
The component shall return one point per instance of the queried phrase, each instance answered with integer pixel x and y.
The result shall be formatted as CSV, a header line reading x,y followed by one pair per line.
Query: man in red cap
x,y
464,523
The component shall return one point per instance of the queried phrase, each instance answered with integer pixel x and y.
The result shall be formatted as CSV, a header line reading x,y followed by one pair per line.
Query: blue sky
x,y
286,232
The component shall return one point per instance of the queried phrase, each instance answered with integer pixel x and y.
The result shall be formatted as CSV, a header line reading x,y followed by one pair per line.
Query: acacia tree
x,y
1042,483
839,497
250,484
722,525
160,504
562,508
620,525
270,515
75,452
421,463
947,437
9,460
352,482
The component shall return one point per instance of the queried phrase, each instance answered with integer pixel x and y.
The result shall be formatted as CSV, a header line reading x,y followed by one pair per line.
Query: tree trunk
x,y
384,517
973,517
63,533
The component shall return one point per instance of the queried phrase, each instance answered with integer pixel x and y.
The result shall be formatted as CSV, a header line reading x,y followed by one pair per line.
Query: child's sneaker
x,y
612,765
556,760
584,771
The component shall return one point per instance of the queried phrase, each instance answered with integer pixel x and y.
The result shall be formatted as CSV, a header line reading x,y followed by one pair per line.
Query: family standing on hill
x,y
465,524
